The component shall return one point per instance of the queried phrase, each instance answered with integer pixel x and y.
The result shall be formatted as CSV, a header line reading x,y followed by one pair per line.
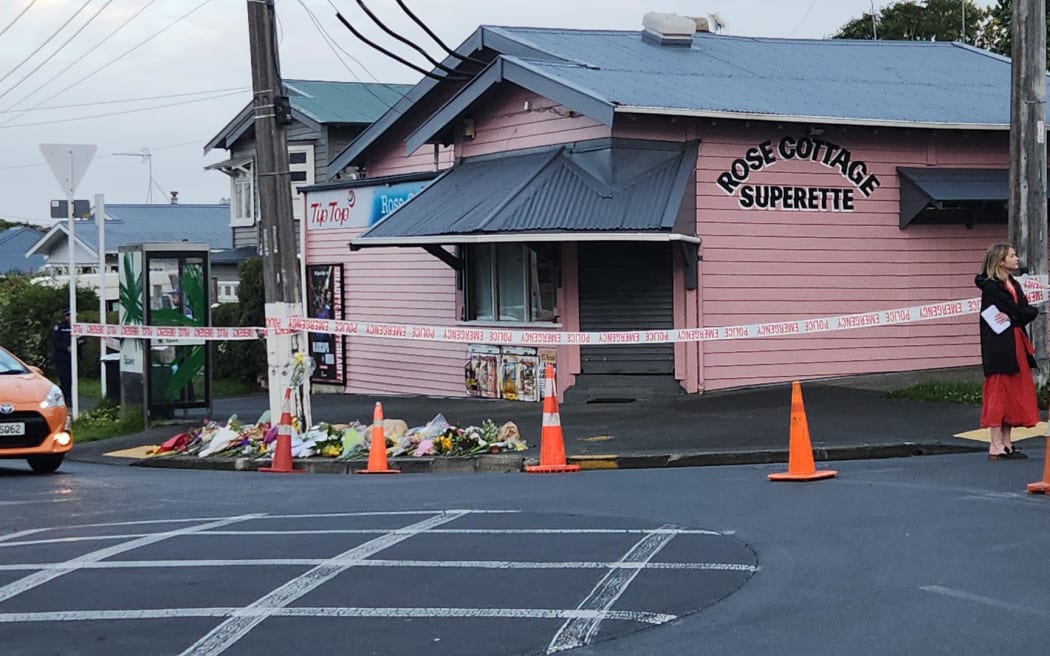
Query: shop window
x,y
511,282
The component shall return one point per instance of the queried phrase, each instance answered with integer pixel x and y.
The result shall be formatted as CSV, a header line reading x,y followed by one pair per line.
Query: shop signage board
x,y
357,207
737,179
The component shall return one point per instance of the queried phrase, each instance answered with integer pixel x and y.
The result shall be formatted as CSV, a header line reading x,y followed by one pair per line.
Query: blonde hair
x,y
993,261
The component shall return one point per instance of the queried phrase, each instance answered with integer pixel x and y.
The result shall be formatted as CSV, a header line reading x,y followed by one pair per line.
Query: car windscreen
x,y
10,365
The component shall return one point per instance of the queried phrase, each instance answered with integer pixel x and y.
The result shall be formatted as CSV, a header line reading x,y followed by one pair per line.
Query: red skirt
x,y
1009,399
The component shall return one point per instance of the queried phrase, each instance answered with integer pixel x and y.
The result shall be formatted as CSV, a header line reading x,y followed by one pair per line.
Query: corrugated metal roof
x,y
141,223
343,102
861,81
927,84
622,188
14,242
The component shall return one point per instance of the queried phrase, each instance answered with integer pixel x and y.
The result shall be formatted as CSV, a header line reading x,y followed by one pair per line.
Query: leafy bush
x,y
27,313
242,361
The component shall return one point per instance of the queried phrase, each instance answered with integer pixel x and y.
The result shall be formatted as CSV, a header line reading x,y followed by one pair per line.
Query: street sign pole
x,y
68,162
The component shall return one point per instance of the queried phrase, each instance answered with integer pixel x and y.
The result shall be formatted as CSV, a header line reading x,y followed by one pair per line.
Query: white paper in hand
x,y
988,314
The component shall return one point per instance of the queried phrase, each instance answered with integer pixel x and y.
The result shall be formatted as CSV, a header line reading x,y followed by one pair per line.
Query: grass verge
x,y
105,420
968,393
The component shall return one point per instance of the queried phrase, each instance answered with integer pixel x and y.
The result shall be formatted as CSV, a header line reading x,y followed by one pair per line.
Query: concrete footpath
x,y
848,418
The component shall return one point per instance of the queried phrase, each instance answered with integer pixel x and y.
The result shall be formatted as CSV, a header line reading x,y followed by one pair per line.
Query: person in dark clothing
x,y
1007,357
62,355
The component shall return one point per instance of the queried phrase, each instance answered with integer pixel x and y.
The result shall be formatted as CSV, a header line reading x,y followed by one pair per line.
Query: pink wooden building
x,y
663,179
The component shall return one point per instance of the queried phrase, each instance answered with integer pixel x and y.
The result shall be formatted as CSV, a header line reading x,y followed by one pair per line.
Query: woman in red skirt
x,y
1007,356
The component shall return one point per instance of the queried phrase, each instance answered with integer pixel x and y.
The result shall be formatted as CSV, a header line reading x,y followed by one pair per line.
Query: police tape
x,y
1034,290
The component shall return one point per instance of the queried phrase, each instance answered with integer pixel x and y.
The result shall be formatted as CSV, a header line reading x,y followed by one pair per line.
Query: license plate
x,y
13,428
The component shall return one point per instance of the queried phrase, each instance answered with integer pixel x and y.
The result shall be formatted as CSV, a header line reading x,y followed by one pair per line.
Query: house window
x,y
511,282
301,166
243,206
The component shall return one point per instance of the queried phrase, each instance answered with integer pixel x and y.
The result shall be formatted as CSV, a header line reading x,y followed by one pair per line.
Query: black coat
x,y
997,351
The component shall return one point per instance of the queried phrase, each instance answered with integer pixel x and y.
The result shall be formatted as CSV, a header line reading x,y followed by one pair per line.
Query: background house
x,y
14,242
140,223
326,117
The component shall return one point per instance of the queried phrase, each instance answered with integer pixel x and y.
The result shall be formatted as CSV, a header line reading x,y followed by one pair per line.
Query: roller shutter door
x,y
626,286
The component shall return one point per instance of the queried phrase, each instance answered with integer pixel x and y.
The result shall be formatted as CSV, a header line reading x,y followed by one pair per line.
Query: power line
x,y
333,44
375,19
111,62
15,19
81,57
395,57
433,36
129,111
46,41
58,49
804,17
195,142
129,100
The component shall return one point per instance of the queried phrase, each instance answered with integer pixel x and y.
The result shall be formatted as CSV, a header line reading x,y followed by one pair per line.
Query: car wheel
x,y
45,464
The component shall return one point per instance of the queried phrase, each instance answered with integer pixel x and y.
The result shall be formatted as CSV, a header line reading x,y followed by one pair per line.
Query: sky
x,y
164,76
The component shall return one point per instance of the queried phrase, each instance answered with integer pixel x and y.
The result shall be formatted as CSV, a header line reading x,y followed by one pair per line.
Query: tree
x,y
998,32
928,20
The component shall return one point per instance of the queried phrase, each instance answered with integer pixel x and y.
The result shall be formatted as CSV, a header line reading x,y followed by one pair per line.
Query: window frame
x,y
530,277
307,167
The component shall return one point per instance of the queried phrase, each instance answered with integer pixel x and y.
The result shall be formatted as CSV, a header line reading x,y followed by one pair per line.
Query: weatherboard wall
x,y
765,265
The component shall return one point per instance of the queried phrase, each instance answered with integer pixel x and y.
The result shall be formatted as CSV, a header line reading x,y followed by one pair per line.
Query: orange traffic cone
x,y
282,451
1043,486
800,451
552,446
377,450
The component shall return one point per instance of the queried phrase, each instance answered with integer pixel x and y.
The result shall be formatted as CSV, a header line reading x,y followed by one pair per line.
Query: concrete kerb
x,y
516,462
491,463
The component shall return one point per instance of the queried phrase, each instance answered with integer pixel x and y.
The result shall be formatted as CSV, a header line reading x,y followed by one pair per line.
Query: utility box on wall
x,y
165,284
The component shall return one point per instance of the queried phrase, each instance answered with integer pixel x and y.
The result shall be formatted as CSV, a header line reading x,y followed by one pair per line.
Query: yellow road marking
x,y
1016,435
137,453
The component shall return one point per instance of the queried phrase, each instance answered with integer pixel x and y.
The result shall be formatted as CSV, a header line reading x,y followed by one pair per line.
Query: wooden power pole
x,y
1028,152
277,225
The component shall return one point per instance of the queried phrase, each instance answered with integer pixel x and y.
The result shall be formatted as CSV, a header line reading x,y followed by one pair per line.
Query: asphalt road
x,y
933,555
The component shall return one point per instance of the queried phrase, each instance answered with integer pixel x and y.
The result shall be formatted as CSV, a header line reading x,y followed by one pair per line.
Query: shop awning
x,y
593,191
951,195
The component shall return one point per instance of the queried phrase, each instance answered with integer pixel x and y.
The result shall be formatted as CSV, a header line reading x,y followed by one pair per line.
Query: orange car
x,y
34,422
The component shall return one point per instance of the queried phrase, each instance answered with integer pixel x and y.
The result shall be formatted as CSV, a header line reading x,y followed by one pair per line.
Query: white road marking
x,y
393,513
41,577
987,601
480,531
299,611
21,534
452,564
271,516
374,531
226,634
74,539
578,632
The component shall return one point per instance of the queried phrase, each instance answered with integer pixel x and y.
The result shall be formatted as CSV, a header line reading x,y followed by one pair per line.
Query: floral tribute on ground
x,y
350,441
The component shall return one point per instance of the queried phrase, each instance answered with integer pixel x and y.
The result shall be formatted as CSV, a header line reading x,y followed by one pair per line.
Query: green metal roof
x,y
343,102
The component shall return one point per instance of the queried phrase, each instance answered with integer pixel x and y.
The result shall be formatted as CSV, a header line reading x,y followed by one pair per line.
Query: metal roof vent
x,y
668,29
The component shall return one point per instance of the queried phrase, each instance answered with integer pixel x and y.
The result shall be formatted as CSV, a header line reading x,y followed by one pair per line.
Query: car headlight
x,y
54,398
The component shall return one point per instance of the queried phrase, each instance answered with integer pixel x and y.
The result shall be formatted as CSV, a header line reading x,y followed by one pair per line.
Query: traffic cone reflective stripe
x,y
552,444
800,451
282,450
377,463
1043,486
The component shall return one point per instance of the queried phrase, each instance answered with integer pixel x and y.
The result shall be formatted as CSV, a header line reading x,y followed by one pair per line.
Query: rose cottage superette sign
x,y
737,178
